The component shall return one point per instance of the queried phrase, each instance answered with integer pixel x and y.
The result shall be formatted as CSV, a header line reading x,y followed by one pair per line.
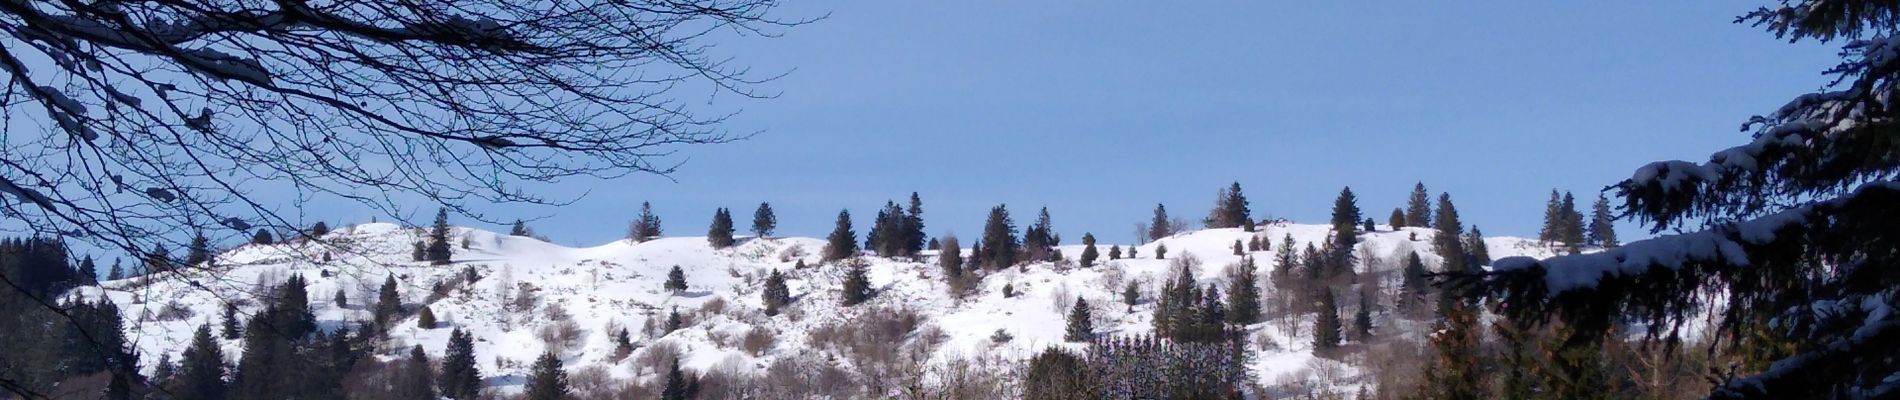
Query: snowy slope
x,y
618,284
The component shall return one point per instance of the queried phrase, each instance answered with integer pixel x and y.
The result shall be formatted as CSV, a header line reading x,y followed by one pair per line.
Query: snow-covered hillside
x,y
619,284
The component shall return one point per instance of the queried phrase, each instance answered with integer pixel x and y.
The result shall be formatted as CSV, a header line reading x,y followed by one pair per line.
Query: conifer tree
x,y
1448,243
1457,371
886,236
1132,249
1602,224
262,237
1477,254
999,236
1571,234
674,321
1238,249
764,221
1418,207
88,272
461,378
1009,290
675,388
1371,226
675,280
1081,328
719,235
1554,219
1345,226
116,273
1413,286
934,245
230,330
1161,251
418,378
1230,210
843,242
199,252
1397,220
1160,227
913,227
319,229
388,302
950,261
1040,239
776,295
1253,243
546,380
646,226
340,299
1362,320
519,229
438,252
1088,250
857,285
1131,295
623,344
1327,332
1243,294
201,371
1115,252
425,318
418,252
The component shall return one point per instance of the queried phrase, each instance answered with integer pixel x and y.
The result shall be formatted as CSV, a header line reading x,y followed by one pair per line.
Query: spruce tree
x,y
88,272
1413,286
1477,254
388,303
1371,226
116,273
1115,252
1418,207
1131,295
775,295
425,318
1243,294
418,378
675,280
843,242
319,229
340,299
1397,220
1238,249
1554,219
546,380
1456,372
913,227
1230,210
719,235
764,221
1040,239
1602,224
675,388
1571,234
1161,251
857,285
1345,226
1088,250
1448,243
646,226
438,252
199,252
999,236
1327,332
1081,328
201,371
1362,320
1160,227
262,237
950,262
230,330
674,321
519,229
461,378
623,344
418,252
1253,244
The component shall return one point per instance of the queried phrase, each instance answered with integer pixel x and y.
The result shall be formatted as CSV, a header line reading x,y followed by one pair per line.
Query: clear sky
x,y
1100,110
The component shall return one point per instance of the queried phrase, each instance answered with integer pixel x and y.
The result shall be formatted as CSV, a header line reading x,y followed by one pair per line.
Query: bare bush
x,y
715,306
657,358
758,340
561,335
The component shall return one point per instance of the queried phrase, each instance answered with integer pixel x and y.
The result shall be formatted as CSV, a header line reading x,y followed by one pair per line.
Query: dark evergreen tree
x,y
199,252
1081,328
1371,226
1040,239
674,321
675,388
675,280
1238,249
88,272
1160,227
1397,220
231,329
857,285
438,252
843,242
1115,252
1131,295
776,295
764,221
1345,227
319,229
913,227
1571,234
262,237
1554,219
417,377
1089,254
1362,320
201,371
1230,210
388,303
1327,327
1009,290
934,245
1457,372
1602,224
1243,294
519,229
1413,286
646,226
461,378
1253,243
950,262
1058,375
1448,243
418,252
1418,207
623,344
719,235
425,318
1161,251
340,299
116,273
1477,254
546,379
999,234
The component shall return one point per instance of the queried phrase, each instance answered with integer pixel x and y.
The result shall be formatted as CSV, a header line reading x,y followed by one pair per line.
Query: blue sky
x,y
1100,111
